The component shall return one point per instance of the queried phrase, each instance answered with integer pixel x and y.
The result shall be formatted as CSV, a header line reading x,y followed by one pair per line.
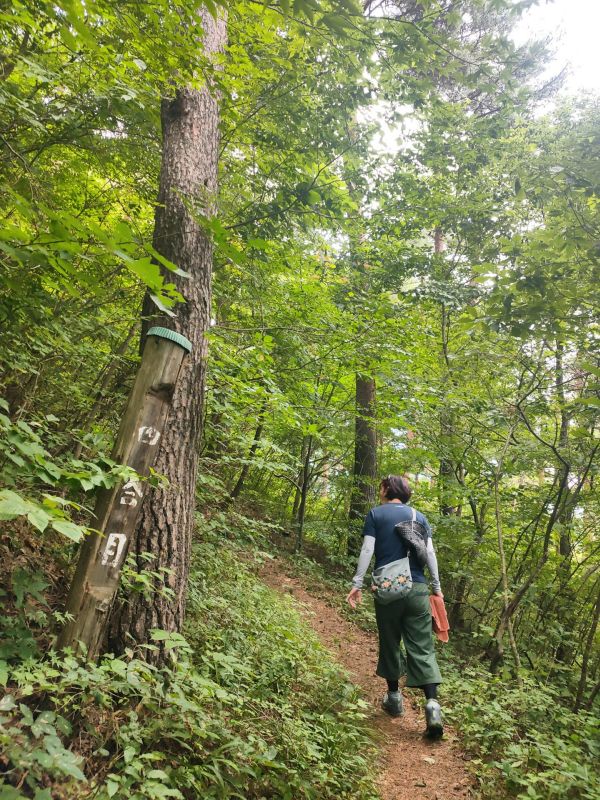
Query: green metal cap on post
x,y
165,333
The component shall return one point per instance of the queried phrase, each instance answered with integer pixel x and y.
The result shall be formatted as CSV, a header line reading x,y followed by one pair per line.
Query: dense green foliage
x,y
390,206
251,707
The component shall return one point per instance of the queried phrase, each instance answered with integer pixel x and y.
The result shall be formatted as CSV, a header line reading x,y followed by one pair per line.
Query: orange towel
x,y
440,618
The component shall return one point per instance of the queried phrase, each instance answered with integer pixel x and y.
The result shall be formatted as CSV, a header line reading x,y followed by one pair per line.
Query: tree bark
x,y
188,187
364,476
456,614
305,485
299,482
505,624
589,644
364,470
446,475
565,517
236,491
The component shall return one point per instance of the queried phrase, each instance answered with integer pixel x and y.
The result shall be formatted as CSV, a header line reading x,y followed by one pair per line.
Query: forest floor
x,y
411,767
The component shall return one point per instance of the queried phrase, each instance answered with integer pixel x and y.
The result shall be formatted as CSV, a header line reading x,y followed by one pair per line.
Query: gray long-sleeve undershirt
x,y
366,554
364,559
432,566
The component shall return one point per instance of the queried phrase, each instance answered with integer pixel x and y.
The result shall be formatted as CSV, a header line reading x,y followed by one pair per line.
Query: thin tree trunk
x,y
303,494
446,474
460,593
562,476
505,624
589,644
509,609
213,446
565,517
188,185
506,619
235,492
593,694
365,449
298,491
105,379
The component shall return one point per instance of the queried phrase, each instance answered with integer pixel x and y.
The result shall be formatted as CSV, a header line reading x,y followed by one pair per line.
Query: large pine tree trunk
x,y
188,183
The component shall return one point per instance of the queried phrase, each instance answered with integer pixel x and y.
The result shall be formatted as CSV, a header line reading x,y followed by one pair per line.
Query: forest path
x,y
411,767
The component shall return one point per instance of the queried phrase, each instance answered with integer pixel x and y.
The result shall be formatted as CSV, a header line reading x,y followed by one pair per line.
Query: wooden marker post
x,y
103,552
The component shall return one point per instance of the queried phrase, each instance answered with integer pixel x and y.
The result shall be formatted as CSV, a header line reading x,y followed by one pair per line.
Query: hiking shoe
x,y
433,718
392,704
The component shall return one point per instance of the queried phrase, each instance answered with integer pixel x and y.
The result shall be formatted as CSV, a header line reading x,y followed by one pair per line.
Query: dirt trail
x,y
411,768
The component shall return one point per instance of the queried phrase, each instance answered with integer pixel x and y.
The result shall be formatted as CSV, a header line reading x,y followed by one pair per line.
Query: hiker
x,y
407,618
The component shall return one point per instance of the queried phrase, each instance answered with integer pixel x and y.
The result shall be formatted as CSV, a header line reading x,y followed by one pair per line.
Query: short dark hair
x,y
396,487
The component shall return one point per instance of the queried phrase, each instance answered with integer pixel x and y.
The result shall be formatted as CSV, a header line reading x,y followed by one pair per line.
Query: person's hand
x,y
439,593
354,597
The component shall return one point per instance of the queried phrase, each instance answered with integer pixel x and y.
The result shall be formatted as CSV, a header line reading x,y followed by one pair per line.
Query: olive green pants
x,y
407,620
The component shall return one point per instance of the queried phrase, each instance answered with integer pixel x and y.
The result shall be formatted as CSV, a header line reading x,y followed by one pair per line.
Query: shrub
x,y
252,707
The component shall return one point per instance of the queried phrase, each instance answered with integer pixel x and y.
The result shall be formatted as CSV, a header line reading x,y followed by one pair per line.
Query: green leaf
x,y
147,270
170,639
12,504
168,264
69,529
55,500
39,518
159,303
25,582
158,775
10,793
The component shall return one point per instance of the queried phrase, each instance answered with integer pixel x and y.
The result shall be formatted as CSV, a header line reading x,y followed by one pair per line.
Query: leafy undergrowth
x,y
252,708
527,743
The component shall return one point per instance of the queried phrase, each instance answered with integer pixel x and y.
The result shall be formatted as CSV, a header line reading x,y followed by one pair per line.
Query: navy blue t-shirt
x,y
380,522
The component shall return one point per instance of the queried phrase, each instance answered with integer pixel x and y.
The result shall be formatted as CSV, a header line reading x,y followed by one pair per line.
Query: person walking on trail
x,y
409,617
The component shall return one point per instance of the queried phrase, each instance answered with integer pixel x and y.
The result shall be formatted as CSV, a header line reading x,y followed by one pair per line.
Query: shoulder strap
x,y
412,526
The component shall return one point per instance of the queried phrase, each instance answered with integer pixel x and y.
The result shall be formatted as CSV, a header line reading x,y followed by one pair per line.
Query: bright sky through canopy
x,y
574,26
574,29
